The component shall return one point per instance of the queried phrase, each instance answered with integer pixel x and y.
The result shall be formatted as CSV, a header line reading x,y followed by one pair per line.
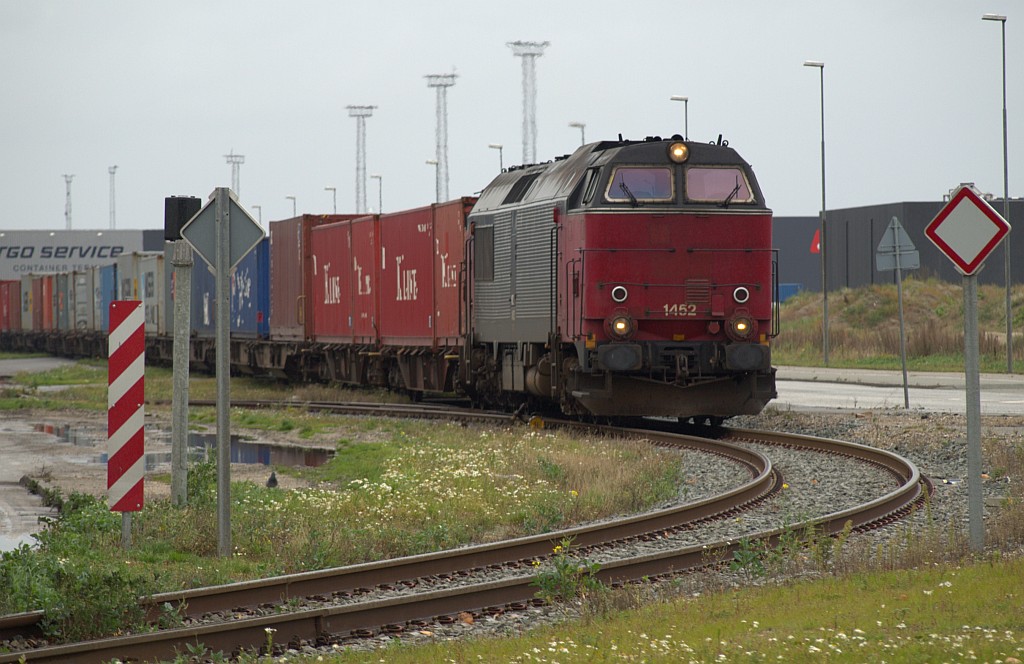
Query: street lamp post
x,y
380,191
1006,204
259,212
582,126
292,199
334,197
686,114
433,162
501,160
824,263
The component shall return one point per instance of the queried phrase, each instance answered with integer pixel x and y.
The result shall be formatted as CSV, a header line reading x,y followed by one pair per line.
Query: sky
x,y
164,90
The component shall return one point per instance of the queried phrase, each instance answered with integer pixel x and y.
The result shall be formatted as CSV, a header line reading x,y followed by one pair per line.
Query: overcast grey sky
x,y
164,90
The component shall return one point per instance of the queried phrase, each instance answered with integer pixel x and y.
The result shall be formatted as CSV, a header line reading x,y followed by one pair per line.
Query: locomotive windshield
x,y
717,185
640,183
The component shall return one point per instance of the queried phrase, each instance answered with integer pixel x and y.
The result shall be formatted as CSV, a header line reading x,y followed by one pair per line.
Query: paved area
x,y
828,388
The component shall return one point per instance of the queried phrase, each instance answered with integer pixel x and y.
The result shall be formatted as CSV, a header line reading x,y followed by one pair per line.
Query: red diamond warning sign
x,y
967,229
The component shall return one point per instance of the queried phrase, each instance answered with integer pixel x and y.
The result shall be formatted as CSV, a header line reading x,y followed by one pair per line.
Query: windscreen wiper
x,y
728,199
632,198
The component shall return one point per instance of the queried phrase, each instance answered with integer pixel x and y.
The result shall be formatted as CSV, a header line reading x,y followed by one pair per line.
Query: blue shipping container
x,y
250,296
106,293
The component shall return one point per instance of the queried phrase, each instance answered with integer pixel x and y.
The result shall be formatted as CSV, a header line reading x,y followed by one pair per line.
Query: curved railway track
x,y
390,595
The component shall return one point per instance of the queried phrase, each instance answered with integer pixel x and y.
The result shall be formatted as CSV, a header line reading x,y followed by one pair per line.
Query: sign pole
x,y
182,263
903,335
223,362
971,368
967,229
222,233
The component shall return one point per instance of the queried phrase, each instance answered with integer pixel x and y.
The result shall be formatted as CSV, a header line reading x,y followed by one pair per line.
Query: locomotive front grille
x,y
698,291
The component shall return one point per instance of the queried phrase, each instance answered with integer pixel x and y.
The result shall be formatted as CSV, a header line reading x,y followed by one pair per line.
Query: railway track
x,y
392,595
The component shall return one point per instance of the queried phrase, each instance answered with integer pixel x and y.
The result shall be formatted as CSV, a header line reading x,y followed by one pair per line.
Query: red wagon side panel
x,y
406,278
331,292
364,282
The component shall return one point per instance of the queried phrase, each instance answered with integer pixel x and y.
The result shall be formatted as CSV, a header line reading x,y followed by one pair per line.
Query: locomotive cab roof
x,y
564,178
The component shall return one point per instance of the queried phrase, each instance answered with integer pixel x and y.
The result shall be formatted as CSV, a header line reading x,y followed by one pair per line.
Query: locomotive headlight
x,y
741,327
678,152
621,326
741,294
619,294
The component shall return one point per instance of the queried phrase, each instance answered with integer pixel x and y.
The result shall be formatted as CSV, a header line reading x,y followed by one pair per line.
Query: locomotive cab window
x,y
630,184
717,185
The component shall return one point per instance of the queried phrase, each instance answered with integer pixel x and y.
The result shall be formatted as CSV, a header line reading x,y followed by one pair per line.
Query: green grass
x,y
864,328
940,614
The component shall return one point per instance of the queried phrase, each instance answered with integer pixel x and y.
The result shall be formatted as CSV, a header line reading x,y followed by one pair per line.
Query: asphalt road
x,y
803,388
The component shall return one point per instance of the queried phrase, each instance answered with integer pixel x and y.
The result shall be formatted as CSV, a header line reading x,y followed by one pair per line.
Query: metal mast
x,y
529,52
442,82
67,200
113,220
360,113
236,161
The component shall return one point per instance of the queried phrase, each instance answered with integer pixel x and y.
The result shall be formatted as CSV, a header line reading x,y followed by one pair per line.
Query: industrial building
x,y
853,235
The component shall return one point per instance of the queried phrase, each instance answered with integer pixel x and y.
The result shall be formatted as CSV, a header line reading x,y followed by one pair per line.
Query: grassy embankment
x,y
864,327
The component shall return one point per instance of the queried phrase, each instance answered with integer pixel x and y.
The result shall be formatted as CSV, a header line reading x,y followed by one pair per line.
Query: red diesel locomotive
x,y
629,279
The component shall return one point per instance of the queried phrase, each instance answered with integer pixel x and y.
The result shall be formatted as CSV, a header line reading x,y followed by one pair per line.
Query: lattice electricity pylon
x,y
360,113
529,52
236,161
442,82
67,200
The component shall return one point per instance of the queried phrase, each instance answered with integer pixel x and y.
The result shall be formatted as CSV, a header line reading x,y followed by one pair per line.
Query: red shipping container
x,y
291,274
365,284
42,302
10,305
332,301
421,251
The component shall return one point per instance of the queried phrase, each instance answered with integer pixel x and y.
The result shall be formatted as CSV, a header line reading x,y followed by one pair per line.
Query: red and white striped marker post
x,y
125,410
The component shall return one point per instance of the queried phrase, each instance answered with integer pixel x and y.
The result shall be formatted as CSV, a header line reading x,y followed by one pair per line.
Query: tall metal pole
x,y
292,199
259,211
433,162
501,159
223,366
67,200
582,126
380,191
113,222
824,245
529,52
360,113
686,114
334,198
1006,206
